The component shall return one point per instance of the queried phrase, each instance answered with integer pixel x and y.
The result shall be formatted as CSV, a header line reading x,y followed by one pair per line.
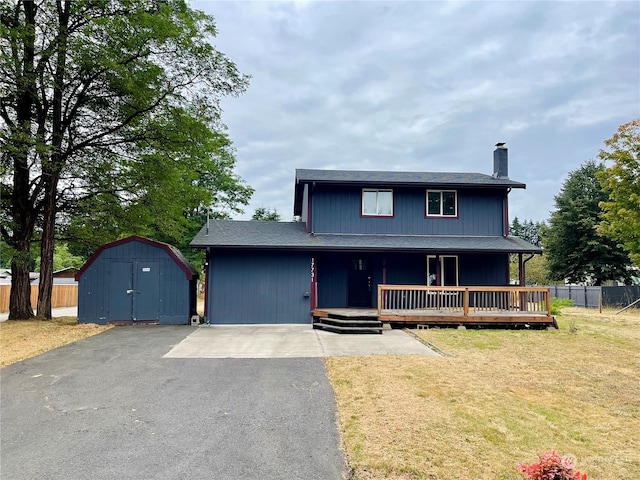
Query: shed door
x,y
120,290
134,291
146,283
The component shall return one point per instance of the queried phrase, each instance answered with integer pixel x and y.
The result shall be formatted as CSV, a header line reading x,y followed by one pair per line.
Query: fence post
x,y
465,305
548,302
600,300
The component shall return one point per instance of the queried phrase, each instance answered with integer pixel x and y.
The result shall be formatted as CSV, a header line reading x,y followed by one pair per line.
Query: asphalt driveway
x,y
115,406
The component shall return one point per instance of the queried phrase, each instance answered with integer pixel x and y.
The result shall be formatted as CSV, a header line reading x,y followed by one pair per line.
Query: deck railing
x,y
464,300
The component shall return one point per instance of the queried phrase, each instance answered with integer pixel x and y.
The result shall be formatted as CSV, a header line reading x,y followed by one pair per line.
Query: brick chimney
x,y
501,161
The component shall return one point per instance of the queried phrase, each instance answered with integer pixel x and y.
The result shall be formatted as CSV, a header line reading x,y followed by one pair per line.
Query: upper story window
x,y
377,202
442,203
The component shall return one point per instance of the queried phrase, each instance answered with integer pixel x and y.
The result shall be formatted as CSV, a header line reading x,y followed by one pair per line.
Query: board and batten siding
x,y
258,287
103,281
337,209
489,269
401,269
332,270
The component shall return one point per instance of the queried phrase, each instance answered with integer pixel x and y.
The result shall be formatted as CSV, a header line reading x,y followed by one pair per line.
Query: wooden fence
x,y
62,296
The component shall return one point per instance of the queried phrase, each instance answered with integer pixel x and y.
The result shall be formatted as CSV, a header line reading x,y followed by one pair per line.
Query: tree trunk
x,y
52,168
45,288
22,206
20,296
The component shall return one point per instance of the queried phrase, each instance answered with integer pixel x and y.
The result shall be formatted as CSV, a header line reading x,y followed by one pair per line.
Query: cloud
x,y
427,86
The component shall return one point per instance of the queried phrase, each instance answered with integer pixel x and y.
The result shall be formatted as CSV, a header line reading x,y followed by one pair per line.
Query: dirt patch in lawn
x,y
22,339
505,397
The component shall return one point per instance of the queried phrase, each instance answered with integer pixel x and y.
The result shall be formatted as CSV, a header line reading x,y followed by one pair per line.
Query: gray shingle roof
x,y
404,178
395,179
292,235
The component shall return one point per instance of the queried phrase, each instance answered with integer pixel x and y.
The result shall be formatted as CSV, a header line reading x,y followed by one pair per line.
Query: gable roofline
x,y
188,269
390,179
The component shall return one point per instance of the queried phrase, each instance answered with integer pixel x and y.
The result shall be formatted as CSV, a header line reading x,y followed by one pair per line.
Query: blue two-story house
x,y
358,230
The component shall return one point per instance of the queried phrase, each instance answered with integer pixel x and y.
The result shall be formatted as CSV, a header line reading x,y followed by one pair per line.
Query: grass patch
x,y
507,396
22,339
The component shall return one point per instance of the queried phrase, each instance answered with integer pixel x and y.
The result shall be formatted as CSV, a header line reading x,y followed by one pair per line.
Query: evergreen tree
x,y
266,215
574,249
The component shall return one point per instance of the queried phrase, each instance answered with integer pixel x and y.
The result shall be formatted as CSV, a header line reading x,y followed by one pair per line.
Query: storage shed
x,y
137,280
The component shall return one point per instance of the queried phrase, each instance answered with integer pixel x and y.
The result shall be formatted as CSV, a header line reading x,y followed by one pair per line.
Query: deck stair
x,y
346,322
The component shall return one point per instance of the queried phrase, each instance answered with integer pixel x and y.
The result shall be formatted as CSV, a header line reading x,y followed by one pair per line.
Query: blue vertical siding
x,y
336,209
258,287
175,296
333,274
401,269
484,269
406,269
305,204
332,270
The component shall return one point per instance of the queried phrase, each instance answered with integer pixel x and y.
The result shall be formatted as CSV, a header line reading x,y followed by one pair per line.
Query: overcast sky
x,y
427,86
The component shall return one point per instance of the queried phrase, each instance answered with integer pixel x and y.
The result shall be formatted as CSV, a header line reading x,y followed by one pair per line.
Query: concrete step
x,y
350,322
352,317
347,329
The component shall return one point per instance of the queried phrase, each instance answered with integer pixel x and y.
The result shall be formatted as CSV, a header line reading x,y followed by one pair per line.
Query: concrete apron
x,y
287,341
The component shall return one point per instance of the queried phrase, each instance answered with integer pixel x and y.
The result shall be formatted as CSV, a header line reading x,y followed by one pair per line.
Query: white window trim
x,y
441,258
441,214
376,190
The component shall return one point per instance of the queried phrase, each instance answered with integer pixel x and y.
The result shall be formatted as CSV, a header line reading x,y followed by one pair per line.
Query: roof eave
x,y
364,183
365,248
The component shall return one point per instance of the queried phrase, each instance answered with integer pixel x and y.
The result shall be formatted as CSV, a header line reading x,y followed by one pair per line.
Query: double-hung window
x,y
377,202
442,203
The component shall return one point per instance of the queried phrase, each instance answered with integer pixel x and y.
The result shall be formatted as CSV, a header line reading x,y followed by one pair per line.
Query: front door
x,y
359,294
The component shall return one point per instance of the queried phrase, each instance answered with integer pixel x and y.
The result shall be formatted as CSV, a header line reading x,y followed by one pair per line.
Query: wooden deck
x,y
419,305
488,306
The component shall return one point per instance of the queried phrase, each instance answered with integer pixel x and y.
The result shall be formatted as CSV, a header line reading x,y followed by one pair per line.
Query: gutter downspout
x,y
523,279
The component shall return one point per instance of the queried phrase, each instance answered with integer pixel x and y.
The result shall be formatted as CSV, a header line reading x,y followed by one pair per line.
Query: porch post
x,y
206,284
314,285
438,276
520,271
384,270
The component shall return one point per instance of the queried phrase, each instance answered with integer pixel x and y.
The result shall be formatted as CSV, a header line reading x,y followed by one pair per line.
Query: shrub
x,y
552,466
557,304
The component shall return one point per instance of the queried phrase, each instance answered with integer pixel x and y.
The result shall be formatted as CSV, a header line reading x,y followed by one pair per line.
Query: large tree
x,y
110,116
621,180
574,249
536,272
265,214
527,230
